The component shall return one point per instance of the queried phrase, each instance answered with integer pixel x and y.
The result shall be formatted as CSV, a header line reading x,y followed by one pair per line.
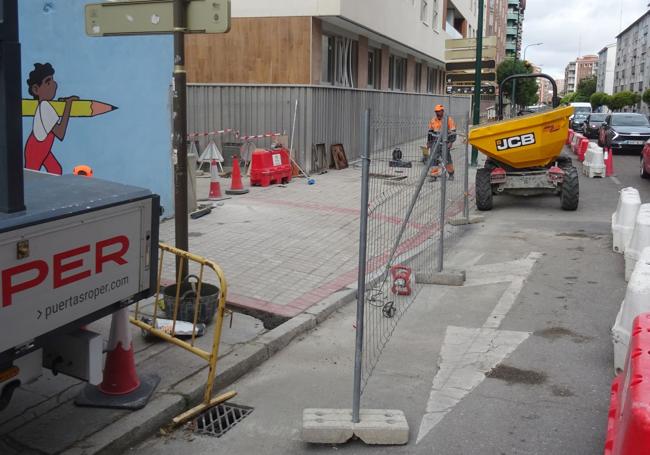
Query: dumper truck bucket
x,y
524,142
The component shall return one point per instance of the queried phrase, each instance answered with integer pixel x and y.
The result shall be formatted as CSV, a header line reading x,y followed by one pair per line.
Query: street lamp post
x,y
529,45
477,76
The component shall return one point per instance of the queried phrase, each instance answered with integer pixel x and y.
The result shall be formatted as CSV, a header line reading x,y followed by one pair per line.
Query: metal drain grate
x,y
218,420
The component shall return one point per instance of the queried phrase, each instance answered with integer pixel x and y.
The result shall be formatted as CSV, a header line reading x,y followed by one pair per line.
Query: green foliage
x,y
586,88
646,97
526,89
621,99
568,98
599,99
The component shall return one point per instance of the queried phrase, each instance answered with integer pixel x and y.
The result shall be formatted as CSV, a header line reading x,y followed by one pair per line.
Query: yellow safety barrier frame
x,y
210,357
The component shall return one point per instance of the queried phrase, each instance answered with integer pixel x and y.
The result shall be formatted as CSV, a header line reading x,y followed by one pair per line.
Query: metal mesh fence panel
x,y
405,224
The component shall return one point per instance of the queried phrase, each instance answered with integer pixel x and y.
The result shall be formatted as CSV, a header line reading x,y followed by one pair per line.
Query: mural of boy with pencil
x,y
51,117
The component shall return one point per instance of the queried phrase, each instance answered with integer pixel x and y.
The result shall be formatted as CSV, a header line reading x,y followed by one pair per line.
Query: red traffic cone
x,y
215,186
609,162
236,184
121,387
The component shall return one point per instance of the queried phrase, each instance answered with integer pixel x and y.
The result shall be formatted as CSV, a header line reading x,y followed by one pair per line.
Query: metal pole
x,y
361,280
513,112
180,130
11,119
443,193
466,183
477,76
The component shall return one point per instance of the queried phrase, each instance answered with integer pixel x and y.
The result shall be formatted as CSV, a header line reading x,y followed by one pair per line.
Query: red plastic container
x,y
270,166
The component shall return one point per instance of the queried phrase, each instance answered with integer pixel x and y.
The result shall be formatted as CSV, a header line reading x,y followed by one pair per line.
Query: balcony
x,y
511,30
511,46
513,16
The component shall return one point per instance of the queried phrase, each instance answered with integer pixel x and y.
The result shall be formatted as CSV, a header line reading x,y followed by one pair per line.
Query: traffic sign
x,y
469,53
452,78
470,65
155,17
469,89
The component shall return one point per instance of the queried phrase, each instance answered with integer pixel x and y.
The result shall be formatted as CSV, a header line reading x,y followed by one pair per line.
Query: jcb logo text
x,y
516,141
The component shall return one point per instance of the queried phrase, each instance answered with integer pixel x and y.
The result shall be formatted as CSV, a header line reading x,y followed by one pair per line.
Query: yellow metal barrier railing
x,y
212,356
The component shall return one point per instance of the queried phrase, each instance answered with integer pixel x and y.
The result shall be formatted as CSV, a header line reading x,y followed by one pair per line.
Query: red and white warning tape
x,y
237,134
213,133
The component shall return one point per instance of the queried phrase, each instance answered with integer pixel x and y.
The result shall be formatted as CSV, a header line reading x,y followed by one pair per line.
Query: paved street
x,y
550,389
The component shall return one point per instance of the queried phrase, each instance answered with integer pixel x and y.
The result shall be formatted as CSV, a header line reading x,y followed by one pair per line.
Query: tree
x,y
526,88
622,99
568,98
599,99
586,88
646,97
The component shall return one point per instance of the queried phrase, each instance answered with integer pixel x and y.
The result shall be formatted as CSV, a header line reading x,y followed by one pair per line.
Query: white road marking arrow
x,y
468,353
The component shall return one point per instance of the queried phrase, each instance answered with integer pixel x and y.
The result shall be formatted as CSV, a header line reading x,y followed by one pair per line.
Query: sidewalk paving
x,y
289,253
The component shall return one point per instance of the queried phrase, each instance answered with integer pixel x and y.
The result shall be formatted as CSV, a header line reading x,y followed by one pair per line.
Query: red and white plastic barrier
x,y
582,148
628,428
569,136
594,161
639,241
624,218
636,302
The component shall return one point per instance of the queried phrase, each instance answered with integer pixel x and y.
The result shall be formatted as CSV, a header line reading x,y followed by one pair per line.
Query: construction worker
x,y
435,129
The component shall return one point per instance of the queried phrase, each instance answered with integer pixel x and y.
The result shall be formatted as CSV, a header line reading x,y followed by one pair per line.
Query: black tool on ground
x,y
201,212
397,160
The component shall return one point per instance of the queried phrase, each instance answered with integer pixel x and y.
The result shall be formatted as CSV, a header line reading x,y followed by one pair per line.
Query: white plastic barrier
x,y
594,163
640,239
624,218
637,301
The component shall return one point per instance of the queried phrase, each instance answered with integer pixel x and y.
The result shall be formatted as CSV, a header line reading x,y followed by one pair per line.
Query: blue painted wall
x,y
130,145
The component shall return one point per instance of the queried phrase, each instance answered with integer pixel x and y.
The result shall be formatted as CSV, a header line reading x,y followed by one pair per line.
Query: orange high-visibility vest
x,y
436,124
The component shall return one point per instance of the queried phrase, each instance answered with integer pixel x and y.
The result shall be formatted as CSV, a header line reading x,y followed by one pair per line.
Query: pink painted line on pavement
x,y
314,296
333,209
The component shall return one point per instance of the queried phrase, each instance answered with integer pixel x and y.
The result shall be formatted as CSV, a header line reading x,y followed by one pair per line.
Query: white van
x,y
581,108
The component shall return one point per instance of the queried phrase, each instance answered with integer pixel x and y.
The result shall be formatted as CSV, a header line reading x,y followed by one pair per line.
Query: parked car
x,y
645,161
624,131
592,124
577,121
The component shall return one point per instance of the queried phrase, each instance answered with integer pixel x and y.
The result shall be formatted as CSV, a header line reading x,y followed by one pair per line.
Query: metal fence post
x,y
443,191
466,183
361,281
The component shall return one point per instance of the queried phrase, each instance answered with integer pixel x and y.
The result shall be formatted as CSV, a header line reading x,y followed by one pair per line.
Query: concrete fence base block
x,y
444,278
335,426
474,219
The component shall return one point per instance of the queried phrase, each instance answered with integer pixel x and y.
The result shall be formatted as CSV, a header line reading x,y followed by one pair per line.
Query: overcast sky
x,y
569,28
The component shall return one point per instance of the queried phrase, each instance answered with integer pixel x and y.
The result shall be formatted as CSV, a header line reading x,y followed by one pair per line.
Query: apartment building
x,y
496,21
560,86
388,45
578,70
606,69
514,27
632,70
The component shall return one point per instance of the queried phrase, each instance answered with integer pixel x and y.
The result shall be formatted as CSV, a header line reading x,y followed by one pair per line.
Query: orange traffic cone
x,y
215,186
121,387
236,184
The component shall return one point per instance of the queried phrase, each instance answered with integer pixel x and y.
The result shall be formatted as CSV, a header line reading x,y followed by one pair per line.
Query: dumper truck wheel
x,y
570,193
483,189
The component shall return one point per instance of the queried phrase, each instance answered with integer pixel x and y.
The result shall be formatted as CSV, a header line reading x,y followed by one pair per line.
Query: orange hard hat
x,y
439,107
83,169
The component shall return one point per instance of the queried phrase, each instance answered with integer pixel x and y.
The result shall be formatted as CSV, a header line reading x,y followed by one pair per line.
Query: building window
x,y
432,80
374,68
418,77
434,16
339,61
397,73
424,11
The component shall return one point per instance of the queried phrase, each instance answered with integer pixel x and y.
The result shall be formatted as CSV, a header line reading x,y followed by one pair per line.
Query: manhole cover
x,y
218,420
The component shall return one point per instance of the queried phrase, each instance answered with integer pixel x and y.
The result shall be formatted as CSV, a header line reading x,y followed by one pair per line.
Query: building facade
x,y
606,69
632,71
578,70
496,21
570,78
342,43
514,27
560,86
